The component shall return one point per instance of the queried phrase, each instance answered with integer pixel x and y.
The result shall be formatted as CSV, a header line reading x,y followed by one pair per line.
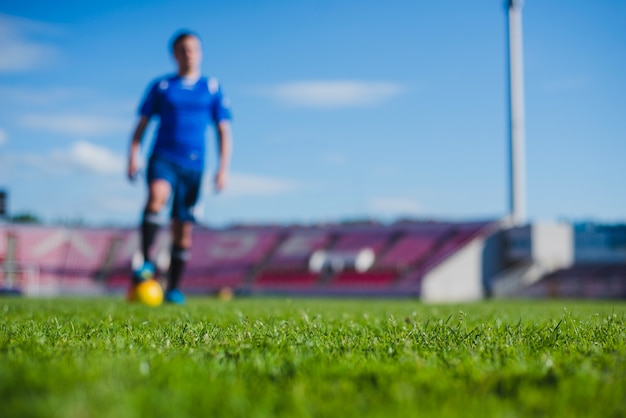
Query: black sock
x,y
178,261
149,228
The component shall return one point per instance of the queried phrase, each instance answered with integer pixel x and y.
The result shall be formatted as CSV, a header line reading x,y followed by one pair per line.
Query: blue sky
x,y
343,109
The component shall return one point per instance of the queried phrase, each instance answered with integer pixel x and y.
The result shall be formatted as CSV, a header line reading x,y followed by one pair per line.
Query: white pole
x,y
517,204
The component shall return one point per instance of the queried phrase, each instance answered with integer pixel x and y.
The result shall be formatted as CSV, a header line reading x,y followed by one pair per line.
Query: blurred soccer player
x,y
186,104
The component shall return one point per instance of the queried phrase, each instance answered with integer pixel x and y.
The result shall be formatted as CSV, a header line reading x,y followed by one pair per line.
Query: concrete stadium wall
x,y
459,278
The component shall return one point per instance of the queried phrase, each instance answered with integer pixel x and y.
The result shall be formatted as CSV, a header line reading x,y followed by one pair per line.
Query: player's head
x,y
187,51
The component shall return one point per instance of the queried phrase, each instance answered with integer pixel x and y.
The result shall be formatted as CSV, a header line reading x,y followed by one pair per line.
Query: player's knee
x,y
156,201
158,194
155,205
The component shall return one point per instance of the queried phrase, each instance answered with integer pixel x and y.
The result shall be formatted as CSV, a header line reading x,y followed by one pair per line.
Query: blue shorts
x,y
185,184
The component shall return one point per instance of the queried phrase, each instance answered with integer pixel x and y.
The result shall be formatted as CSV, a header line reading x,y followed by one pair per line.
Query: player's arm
x,y
224,140
133,154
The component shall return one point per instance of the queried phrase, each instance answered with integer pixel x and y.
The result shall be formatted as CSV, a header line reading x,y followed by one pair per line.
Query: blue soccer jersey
x,y
185,109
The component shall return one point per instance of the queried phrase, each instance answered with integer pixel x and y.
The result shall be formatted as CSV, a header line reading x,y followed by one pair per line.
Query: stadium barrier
x,y
332,259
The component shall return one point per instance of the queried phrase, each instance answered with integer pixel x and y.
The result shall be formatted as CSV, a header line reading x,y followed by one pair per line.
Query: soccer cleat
x,y
146,272
175,296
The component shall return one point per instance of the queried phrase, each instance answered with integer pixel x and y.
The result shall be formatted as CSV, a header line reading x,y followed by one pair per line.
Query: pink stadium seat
x,y
127,245
284,280
46,247
249,258
288,267
58,256
3,250
87,251
363,280
294,252
214,280
408,250
226,258
234,247
354,240
3,242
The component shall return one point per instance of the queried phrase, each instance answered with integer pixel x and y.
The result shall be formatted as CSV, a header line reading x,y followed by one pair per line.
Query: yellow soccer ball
x,y
149,293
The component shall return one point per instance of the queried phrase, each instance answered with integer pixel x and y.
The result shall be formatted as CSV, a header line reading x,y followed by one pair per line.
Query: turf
x,y
311,358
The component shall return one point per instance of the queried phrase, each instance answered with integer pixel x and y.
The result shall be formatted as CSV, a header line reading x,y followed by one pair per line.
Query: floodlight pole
x,y
517,174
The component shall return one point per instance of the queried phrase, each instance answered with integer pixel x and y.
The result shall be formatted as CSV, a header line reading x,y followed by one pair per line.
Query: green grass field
x,y
311,358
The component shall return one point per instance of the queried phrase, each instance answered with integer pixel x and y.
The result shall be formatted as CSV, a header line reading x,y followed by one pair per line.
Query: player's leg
x,y
158,192
181,245
185,196
160,178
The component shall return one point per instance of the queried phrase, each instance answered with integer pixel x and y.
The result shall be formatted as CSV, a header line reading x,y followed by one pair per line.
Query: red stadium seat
x,y
286,280
226,258
353,279
247,258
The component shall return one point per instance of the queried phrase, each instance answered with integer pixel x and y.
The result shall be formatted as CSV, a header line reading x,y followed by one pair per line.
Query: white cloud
x,y
240,185
395,206
82,156
4,137
91,158
80,125
334,94
18,50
